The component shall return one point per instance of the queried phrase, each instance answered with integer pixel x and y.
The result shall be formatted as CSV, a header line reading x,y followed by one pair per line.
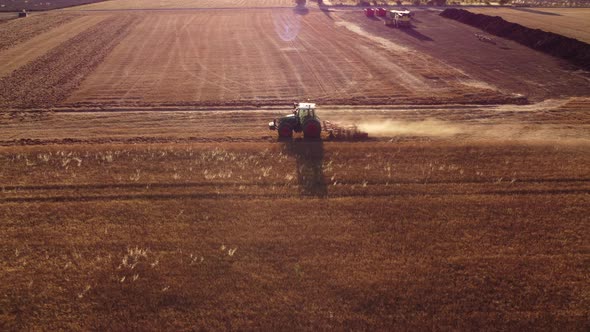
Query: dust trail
x,y
474,131
546,105
428,127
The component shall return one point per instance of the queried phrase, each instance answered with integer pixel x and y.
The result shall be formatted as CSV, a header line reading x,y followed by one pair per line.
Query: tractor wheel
x,y
312,129
285,130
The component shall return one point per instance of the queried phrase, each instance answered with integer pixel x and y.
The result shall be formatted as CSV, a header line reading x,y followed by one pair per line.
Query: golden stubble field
x,y
181,220
141,189
311,235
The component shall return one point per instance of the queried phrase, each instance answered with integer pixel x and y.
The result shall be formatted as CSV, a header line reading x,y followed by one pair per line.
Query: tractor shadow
x,y
301,11
309,155
410,31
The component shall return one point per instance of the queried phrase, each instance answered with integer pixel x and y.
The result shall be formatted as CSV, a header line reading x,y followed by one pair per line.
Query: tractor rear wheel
x,y
285,130
312,129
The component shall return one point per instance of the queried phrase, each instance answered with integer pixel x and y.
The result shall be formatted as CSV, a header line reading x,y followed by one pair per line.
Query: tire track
x,y
342,85
153,37
284,61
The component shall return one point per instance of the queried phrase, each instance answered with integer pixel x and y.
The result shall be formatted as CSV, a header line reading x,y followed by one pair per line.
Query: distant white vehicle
x,y
398,18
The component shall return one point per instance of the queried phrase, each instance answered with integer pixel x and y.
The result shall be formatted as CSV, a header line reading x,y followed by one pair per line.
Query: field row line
x,y
303,193
153,185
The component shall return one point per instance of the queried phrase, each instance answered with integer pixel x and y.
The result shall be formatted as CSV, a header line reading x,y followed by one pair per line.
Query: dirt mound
x,y
570,49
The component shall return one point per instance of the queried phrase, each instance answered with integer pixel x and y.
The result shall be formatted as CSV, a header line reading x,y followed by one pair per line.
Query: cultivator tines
x,y
343,132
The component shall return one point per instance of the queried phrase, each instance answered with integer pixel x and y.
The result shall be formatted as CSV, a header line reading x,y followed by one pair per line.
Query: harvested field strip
x,y
51,78
25,52
277,57
18,31
570,49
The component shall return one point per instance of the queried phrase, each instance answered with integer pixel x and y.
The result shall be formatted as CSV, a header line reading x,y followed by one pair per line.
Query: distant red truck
x,y
381,12
369,12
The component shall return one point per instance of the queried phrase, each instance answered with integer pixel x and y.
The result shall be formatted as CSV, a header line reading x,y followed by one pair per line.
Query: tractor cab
x,y
305,111
303,120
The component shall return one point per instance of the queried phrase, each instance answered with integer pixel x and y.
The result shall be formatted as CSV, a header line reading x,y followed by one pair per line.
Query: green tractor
x,y
303,120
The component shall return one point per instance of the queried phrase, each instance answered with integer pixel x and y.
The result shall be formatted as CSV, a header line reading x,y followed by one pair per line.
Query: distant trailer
x,y
23,13
369,12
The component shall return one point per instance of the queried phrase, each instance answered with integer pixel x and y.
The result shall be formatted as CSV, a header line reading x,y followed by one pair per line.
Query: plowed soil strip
x,y
17,31
35,47
51,78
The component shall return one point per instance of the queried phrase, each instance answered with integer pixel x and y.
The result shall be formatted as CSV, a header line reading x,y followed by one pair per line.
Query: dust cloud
x,y
472,131
428,127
